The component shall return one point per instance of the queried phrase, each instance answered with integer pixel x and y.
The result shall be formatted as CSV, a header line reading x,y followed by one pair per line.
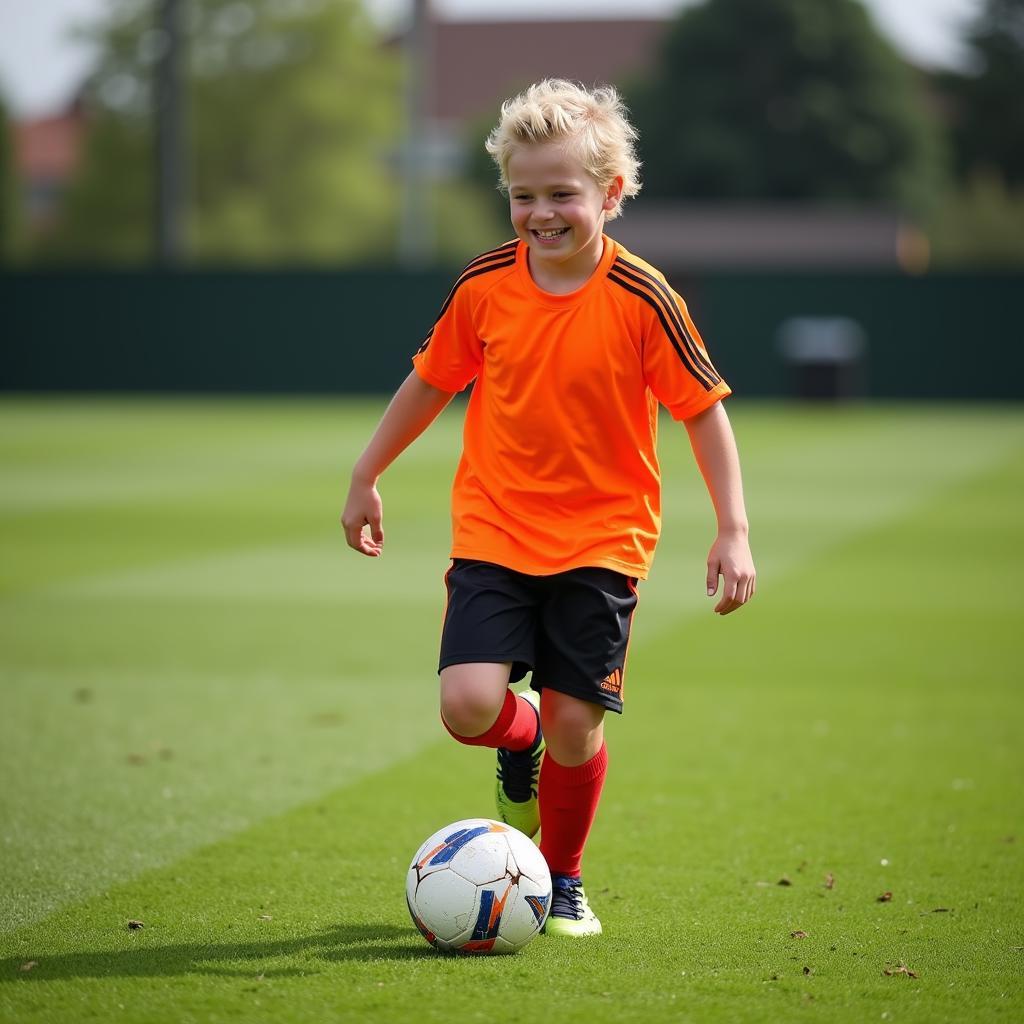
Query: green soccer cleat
x,y
570,912
516,792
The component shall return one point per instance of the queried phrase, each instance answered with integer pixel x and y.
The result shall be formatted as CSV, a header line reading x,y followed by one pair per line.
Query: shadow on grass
x,y
335,944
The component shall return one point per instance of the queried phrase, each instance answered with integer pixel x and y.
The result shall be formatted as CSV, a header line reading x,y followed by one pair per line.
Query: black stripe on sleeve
x,y
493,254
504,256
644,279
706,381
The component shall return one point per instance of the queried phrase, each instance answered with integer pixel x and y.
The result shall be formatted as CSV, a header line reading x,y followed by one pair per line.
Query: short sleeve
x,y
677,367
451,354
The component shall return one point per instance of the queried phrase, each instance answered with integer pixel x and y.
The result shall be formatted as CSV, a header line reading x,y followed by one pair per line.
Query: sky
x,y
41,63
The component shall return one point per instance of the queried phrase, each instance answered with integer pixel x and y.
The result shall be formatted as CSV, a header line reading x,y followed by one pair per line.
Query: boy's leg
x,y
479,709
469,695
487,641
581,655
571,780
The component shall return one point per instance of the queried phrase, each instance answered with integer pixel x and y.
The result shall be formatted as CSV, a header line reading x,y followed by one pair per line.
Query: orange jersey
x,y
559,466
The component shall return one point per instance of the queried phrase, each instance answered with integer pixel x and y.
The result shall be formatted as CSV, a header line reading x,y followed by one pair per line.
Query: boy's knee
x,y
573,728
468,710
472,696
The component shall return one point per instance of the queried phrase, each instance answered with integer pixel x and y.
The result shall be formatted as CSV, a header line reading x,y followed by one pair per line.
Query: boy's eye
x,y
564,195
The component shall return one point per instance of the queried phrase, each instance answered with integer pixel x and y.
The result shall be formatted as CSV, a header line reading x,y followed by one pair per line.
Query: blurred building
x,y
470,67
474,65
681,237
477,64
47,153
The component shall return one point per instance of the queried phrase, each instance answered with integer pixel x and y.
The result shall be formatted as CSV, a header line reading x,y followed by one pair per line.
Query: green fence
x,y
937,336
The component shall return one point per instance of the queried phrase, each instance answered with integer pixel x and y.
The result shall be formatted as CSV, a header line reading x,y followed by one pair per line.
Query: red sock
x,y
514,729
568,803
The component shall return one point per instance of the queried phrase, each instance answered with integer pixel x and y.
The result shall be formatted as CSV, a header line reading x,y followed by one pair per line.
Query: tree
x,y
292,109
784,99
979,225
985,107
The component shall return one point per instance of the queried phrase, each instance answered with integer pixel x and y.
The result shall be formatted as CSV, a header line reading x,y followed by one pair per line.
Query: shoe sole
x,y
573,929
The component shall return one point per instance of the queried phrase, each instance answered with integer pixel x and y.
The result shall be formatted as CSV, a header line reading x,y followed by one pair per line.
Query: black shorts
x,y
570,629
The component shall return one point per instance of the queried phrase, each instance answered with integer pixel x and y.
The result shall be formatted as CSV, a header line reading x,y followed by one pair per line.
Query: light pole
x,y
169,130
415,237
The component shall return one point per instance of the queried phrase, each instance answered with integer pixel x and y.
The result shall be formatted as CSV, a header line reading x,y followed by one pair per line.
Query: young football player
x,y
573,343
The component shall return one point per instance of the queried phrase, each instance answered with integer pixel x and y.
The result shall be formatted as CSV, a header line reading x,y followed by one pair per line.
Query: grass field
x,y
217,720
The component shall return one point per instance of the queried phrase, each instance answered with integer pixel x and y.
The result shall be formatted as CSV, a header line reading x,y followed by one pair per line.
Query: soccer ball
x,y
478,886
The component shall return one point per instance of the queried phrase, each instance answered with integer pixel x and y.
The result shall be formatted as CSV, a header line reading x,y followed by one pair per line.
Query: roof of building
x,y
48,148
477,64
715,236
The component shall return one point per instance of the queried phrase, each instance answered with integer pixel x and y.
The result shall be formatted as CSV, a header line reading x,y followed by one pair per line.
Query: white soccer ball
x,y
478,886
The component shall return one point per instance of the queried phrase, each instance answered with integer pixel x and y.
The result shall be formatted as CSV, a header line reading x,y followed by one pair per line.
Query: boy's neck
x,y
561,279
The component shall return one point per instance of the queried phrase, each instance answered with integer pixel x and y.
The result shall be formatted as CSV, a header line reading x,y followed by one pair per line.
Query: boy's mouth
x,y
549,234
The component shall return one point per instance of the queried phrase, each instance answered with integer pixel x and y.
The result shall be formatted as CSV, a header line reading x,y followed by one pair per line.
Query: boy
x,y
572,342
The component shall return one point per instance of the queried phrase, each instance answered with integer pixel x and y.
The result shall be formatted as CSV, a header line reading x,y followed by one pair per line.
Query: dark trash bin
x,y
825,355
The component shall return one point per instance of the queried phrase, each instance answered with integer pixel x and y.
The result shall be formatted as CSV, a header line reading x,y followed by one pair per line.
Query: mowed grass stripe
x,y
270,471
831,733
162,763
135,627
814,477
723,783
78,633
260,639
100,452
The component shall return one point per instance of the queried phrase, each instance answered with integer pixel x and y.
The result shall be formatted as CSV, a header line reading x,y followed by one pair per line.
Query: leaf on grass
x,y
900,968
28,965
886,897
134,926
798,934
266,917
784,880
807,970
830,881
942,910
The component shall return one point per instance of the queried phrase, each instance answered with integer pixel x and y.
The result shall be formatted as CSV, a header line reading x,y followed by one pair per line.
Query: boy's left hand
x,y
730,558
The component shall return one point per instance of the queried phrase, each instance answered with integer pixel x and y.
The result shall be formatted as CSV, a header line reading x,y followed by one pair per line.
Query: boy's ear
x,y
613,194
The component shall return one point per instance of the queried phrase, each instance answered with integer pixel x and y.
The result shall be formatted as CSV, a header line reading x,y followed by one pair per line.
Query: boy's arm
x,y
714,448
415,406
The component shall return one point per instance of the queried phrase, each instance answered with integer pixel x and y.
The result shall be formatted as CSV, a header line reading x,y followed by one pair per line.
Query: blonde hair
x,y
593,124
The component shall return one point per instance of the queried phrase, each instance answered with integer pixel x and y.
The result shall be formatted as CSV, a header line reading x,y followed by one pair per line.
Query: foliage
x,y
784,99
985,105
981,222
980,225
291,109
480,180
469,220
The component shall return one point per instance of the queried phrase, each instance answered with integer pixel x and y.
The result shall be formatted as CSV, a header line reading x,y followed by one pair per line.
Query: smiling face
x,y
558,210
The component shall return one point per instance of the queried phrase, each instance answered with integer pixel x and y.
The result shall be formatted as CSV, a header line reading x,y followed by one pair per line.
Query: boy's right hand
x,y
363,508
